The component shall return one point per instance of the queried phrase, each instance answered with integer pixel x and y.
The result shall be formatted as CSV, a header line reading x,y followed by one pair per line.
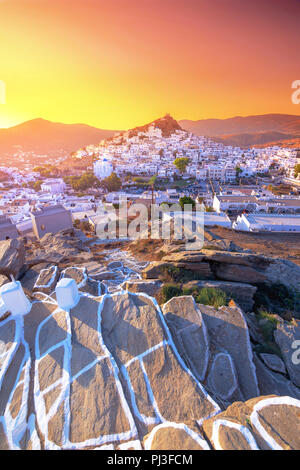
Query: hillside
x,y
166,124
42,136
259,139
268,129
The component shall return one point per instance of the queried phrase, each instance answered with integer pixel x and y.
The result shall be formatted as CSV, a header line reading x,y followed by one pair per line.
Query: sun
x,y
7,119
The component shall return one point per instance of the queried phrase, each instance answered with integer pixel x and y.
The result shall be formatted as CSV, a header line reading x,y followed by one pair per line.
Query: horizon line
x,y
124,130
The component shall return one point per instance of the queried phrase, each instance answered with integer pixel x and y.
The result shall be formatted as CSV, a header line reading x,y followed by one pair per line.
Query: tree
x,y
181,164
80,183
186,200
152,180
238,171
297,170
112,183
37,185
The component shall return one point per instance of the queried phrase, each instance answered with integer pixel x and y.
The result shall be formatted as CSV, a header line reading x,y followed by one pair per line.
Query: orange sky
x,y
116,64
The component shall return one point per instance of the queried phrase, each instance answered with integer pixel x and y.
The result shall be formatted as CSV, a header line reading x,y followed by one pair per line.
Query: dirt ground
x,y
276,245
280,245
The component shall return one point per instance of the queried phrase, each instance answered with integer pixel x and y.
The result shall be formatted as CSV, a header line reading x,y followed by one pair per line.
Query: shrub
x,y
168,291
178,275
267,322
276,298
210,296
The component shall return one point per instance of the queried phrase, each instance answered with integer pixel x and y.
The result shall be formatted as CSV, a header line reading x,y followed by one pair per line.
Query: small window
x,y
43,227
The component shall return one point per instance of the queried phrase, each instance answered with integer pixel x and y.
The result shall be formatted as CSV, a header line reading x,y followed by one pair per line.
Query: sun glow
x,y
121,63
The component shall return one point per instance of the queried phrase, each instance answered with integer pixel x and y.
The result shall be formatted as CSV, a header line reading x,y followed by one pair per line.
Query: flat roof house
x,y
51,219
267,223
7,228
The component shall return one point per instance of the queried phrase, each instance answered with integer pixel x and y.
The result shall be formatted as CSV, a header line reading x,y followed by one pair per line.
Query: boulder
x,y
184,257
271,382
155,269
12,257
174,436
284,272
189,333
84,283
78,274
238,273
273,362
210,342
106,276
150,287
136,335
242,293
28,280
267,423
287,337
243,259
47,280
228,332
59,247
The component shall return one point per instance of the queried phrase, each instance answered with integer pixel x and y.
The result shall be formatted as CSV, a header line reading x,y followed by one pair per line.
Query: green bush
x,y
205,296
267,322
169,291
276,298
178,275
211,296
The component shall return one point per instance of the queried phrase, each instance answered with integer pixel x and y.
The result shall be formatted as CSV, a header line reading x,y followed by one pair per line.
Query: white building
x,y
56,186
102,168
267,223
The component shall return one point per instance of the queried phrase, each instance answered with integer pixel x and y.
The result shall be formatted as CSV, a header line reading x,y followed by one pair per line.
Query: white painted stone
x,y
14,299
67,294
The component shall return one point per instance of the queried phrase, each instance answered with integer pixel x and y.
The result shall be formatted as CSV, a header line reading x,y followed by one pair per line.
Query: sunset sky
x,y
115,64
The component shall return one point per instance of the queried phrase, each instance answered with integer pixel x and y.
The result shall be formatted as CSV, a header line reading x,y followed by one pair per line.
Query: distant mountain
x,y
43,136
166,124
263,130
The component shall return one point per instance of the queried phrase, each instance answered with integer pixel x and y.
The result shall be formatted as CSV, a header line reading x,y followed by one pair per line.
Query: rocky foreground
x,y
120,371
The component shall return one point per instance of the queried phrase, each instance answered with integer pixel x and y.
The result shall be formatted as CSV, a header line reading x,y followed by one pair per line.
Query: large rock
x,y
242,293
84,282
287,336
135,333
284,272
210,341
273,362
59,247
237,273
271,382
150,287
12,257
47,280
238,267
189,333
29,279
155,269
243,259
228,332
174,436
184,257
267,423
